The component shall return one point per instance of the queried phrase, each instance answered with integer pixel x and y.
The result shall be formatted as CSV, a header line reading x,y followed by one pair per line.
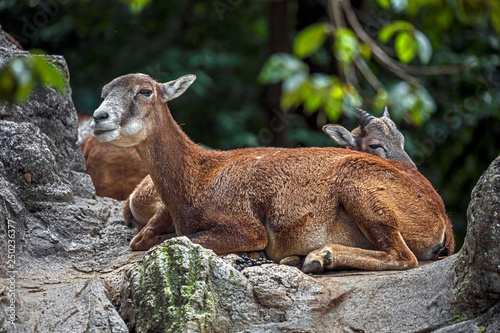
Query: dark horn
x,y
386,113
363,117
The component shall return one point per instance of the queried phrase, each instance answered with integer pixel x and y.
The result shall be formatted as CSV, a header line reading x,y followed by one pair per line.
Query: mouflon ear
x,y
175,88
340,135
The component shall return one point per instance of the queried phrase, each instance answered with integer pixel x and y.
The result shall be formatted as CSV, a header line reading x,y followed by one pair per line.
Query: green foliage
x,y
424,47
408,42
311,39
316,91
282,67
459,317
20,75
391,29
346,46
101,40
136,6
405,46
417,105
384,3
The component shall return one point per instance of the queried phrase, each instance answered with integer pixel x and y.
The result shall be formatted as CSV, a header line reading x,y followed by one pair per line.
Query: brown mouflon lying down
x,y
377,136
341,208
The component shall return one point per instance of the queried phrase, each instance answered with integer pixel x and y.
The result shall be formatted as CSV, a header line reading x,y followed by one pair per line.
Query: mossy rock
x,y
182,287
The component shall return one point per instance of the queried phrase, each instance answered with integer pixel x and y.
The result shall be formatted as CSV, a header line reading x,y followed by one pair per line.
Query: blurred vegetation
x,y
22,74
435,64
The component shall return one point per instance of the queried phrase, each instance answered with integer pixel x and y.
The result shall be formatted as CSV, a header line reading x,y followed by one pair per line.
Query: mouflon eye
x,y
375,146
146,92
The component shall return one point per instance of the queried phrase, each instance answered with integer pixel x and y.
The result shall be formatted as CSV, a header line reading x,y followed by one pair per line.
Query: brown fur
x,y
380,133
341,208
115,171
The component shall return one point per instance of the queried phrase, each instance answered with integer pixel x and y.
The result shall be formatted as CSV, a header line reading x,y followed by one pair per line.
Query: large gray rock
x,y
199,292
478,265
180,287
62,251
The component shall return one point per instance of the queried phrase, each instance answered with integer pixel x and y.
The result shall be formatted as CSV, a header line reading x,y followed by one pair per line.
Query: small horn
x,y
363,117
386,113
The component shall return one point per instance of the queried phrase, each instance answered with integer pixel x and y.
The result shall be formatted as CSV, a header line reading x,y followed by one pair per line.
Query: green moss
x,y
459,317
174,289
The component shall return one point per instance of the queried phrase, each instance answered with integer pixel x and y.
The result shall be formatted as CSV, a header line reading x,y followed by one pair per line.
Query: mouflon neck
x,y
170,156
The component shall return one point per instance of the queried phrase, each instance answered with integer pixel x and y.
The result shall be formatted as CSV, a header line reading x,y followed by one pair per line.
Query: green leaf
x,y
495,14
399,5
336,92
310,39
290,100
312,102
346,45
321,81
381,99
21,71
49,74
405,46
279,67
413,100
294,82
424,47
24,91
136,6
384,3
333,109
365,51
389,30
20,75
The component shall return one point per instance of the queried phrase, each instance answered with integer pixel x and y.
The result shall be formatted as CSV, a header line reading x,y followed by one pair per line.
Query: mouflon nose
x,y
100,115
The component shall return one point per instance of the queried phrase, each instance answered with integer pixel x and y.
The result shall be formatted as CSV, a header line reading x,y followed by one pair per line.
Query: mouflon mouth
x,y
105,135
103,131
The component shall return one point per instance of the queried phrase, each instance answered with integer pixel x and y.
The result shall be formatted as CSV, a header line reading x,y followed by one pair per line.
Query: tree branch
x,y
368,74
378,54
346,72
405,72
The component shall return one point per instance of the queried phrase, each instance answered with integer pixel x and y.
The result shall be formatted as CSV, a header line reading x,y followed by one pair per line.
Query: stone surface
x,y
63,251
181,286
478,265
66,265
179,283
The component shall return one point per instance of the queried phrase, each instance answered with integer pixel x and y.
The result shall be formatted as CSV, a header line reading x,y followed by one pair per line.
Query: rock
x,y
478,265
63,251
182,287
55,116
188,288
70,306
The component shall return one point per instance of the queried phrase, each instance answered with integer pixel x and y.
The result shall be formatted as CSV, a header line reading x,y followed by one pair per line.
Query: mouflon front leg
x,y
247,235
151,235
